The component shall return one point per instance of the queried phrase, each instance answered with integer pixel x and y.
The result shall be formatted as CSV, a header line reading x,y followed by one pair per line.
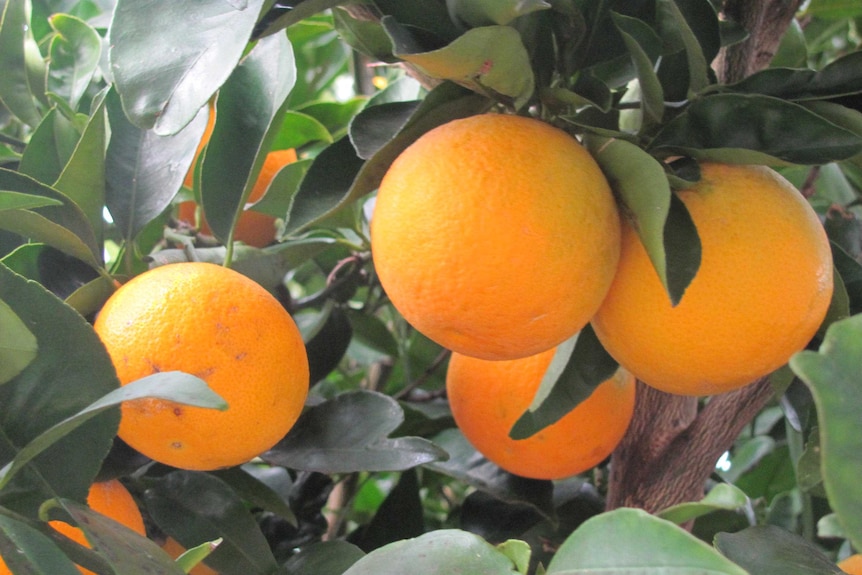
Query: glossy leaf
x,y
21,62
782,130
632,540
661,220
126,551
197,507
298,129
22,545
255,491
488,12
177,387
70,357
578,367
375,126
365,36
769,550
248,106
298,12
723,496
840,77
324,558
441,552
469,466
143,170
644,48
166,93
49,148
833,374
19,201
18,345
64,227
279,196
691,26
351,433
75,51
490,60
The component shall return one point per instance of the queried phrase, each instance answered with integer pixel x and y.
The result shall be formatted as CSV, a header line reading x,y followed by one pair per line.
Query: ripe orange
x,y
172,547
762,290
852,565
496,236
253,228
223,327
110,498
488,397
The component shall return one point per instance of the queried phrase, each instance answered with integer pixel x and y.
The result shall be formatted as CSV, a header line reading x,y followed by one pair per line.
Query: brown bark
x,y
671,448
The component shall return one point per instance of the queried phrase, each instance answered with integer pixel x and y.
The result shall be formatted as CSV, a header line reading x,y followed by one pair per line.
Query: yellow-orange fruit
x,y
852,565
762,290
488,397
111,499
253,228
223,327
496,236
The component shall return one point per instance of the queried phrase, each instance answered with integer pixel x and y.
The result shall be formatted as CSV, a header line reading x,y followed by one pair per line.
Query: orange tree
x,y
103,107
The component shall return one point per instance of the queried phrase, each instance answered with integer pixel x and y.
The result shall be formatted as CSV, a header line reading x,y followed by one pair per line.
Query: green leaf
x,y
283,188
190,558
249,104
775,128
467,465
769,550
487,12
440,552
693,27
660,219
21,63
74,52
143,170
841,77
22,545
298,129
172,386
631,540
203,42
579,365
194,508
351,433
834,9
18,345
20,201
375,126
64,227
644,49
298,12
832,374
365,36
256,492
50,147
70,357
324,558
490,60
723,496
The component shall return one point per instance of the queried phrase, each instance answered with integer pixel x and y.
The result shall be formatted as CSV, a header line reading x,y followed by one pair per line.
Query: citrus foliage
x,y
104,106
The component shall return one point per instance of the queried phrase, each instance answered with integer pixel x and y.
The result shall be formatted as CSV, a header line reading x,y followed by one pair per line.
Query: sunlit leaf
x,y
203,42
18,345
626,540
833,374
723,496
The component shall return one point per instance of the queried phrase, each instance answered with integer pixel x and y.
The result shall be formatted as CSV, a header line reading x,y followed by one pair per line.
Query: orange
x,y
496,236
221,326
762,290
110,498
253,228
852,565
172,547
488,397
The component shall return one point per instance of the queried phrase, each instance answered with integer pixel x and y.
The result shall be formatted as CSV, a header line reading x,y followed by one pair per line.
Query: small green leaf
x,y
518,552
841,77
165,93
723,496
22,545
693,27
775,128
21,62
192,557
490,60
487,12
50,147
172,386
18,345
833,374
278,199
75,51
298,129
644,48
579,365
375,126
350,433
440,552
20,201
769,550
631,540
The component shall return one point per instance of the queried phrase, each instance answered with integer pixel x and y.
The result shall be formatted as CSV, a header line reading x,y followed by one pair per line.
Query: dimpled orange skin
x,y
488,397
110,498
253,228
762,290
223,327
852,565
495,236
